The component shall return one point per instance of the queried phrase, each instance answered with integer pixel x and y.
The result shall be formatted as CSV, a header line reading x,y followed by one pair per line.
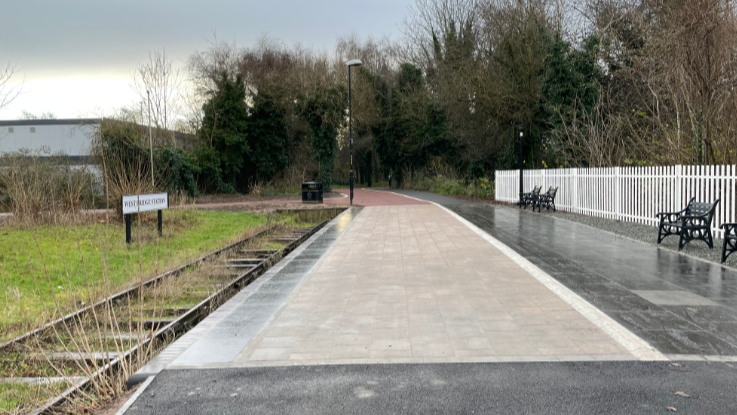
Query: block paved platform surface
x,y
411,283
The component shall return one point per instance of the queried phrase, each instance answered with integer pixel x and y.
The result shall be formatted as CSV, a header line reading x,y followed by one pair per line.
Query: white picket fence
x,y
633,194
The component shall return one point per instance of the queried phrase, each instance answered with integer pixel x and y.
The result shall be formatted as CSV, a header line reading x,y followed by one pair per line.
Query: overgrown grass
x,y
69,250
23,397
115,328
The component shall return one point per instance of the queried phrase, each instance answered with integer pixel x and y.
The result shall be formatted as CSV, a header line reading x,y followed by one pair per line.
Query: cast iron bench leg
x,y
724,250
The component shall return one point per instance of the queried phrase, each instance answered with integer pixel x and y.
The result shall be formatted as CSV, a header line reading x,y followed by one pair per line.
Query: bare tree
x,y
9,90
43,116
206,67
378,57
159,85
432,18
697,53
672,77
190,117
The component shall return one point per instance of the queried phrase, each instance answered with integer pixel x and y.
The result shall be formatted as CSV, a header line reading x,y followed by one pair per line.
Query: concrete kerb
x,y
135,396
634,344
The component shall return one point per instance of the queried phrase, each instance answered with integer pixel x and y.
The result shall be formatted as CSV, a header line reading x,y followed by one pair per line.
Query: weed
x,y
40,187
188,233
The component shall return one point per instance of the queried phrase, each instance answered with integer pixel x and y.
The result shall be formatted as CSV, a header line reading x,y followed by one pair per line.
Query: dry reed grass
x,y
40,187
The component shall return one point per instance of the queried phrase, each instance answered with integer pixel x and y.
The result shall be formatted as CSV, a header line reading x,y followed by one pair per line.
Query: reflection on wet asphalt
x,y
678,304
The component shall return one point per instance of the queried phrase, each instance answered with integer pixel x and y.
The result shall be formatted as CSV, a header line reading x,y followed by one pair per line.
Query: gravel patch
x,y
649,235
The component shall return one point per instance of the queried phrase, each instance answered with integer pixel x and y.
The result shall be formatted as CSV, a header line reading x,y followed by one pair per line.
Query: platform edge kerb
x,y
358,210
181,345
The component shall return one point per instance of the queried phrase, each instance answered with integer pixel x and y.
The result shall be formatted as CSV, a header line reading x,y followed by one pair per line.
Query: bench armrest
x,y
669,213
729,228
671,217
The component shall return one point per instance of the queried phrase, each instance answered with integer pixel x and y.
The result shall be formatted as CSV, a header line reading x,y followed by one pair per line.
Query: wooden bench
x,y
693,222
730,240
529,198
546,200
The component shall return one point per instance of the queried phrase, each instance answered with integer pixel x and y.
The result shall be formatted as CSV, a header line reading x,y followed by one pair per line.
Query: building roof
x,y
68,121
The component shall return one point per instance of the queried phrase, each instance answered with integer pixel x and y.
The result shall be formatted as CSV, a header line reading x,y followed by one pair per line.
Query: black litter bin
x,y
311,192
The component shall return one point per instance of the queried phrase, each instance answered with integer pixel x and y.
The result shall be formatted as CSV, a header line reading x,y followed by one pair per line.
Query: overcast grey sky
x,y
77,55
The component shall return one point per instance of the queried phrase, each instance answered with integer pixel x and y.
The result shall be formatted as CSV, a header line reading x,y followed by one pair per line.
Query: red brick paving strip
x,y
366,197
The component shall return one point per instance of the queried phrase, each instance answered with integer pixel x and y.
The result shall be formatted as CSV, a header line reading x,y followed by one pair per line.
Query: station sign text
x,y
145,202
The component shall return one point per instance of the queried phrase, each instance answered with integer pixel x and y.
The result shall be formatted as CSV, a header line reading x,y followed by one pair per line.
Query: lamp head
x,y
521,129
354,62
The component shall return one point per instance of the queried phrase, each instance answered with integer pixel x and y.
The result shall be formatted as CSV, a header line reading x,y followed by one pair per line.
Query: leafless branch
x,y
9,89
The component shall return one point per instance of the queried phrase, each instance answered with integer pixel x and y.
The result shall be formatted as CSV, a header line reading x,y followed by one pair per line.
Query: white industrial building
x,y
71,137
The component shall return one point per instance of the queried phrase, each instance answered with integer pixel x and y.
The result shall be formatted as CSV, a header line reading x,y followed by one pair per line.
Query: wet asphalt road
x,y
450,388
678,304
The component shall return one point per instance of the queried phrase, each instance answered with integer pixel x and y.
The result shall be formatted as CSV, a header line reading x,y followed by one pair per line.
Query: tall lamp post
x,y
354,62
521,132
150,140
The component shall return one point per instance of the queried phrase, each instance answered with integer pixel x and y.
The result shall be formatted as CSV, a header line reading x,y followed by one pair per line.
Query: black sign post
x,y
127,229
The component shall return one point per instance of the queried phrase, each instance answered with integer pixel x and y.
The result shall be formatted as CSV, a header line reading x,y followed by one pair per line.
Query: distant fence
x,y
633,194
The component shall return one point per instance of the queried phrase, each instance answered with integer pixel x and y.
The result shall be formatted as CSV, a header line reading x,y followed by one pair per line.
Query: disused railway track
x,y
242,266
131,291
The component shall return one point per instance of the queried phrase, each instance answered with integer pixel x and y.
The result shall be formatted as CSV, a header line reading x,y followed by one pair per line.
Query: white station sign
x,y
145,202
